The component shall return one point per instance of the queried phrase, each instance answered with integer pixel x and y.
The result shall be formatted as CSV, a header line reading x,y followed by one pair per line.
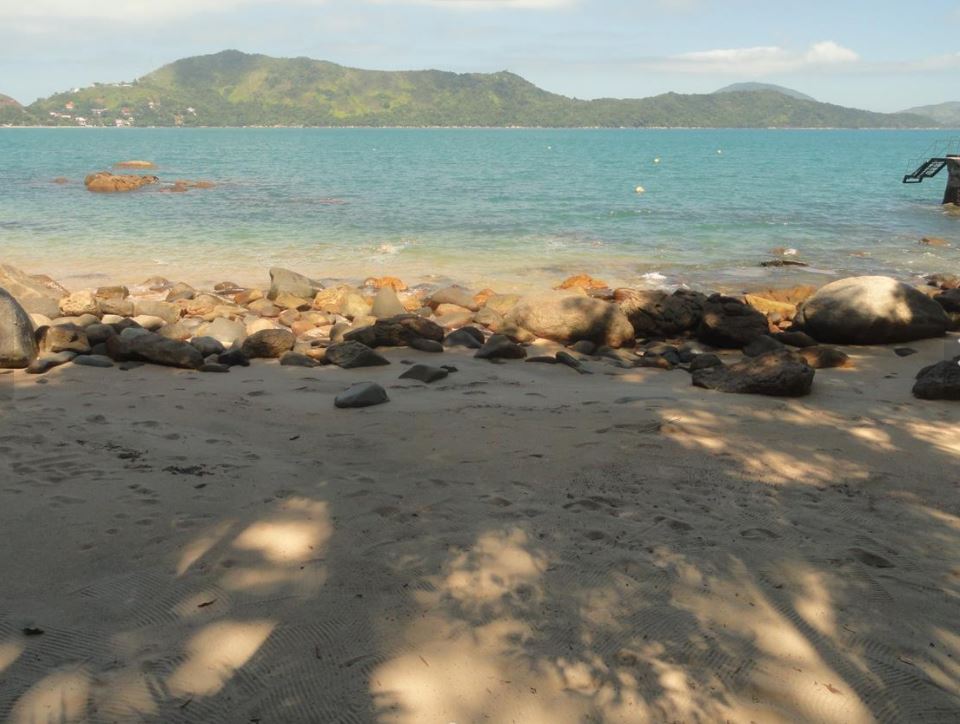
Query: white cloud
x,y
759,61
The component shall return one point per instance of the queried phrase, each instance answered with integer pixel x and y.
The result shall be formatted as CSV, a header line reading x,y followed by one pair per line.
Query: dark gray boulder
x,y
396,331
940,381
362,394
871,310
469,337
654,313
353,354
730,323
500,347
773,373
161,351
18,344
424,373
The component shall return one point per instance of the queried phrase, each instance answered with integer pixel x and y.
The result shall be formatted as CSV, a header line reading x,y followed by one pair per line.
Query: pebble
x,y
424,373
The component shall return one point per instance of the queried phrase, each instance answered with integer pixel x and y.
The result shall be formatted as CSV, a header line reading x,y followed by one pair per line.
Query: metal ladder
x,y
928,169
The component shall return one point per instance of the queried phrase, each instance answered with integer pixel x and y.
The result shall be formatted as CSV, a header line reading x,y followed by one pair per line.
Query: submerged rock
x,y
106,182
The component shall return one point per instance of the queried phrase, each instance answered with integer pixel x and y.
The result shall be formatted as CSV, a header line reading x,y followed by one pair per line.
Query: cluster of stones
x,y
299,321
107,182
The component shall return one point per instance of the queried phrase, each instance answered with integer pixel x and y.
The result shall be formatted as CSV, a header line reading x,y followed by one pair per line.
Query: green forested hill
x,y
13,113
236,89
947,114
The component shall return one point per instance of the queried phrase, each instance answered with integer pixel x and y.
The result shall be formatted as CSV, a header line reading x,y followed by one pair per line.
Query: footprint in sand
x,y
870,559
758,534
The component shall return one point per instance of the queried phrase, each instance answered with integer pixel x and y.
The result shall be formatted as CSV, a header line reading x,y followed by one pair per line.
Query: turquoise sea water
x,y
483,207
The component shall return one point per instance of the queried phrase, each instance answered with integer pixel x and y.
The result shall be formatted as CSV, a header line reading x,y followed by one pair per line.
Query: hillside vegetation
x,y
236,89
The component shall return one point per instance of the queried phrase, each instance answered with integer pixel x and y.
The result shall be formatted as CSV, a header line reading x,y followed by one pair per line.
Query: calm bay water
x,y
483,207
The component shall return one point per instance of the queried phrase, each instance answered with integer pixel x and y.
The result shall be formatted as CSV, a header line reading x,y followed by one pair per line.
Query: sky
x,y
884,55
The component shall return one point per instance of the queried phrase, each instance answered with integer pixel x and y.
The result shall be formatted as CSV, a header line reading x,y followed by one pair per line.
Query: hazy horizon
x,y
862,56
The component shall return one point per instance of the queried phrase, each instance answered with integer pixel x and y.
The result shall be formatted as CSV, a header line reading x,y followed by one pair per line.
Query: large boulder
x,y
268,343
940,381
354,354
387,304
396,331
774,373
654,313
728,322
33,295
568,319
18,345
150,347
871,310
106,182
284,280
454,295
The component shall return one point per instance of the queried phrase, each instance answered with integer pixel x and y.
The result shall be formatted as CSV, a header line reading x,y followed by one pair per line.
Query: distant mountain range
x,y
946,114
752,87
12,112
237,89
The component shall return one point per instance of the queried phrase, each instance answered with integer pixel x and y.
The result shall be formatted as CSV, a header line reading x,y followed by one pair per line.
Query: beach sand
x,y
515,543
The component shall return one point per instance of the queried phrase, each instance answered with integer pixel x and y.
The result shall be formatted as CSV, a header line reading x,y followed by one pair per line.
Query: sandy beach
x,y
514,543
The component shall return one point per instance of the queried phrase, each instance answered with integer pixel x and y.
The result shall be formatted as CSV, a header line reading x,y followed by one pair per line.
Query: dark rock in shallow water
x,y
424,373
871,310
290,282
18,345
469,337
93,360
362,394
773,373
500,347
940,381
354,354
268,343
426,345
729,323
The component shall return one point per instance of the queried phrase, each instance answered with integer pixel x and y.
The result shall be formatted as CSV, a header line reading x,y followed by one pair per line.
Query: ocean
x,y
504,208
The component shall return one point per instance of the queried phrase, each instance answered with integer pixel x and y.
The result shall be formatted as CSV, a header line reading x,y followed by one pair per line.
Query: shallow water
x,y
510,207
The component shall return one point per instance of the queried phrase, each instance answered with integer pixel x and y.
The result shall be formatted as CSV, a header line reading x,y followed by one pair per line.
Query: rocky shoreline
x,y
765,341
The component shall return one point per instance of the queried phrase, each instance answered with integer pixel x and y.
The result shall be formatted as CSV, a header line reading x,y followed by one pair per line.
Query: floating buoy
x,y
640,190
